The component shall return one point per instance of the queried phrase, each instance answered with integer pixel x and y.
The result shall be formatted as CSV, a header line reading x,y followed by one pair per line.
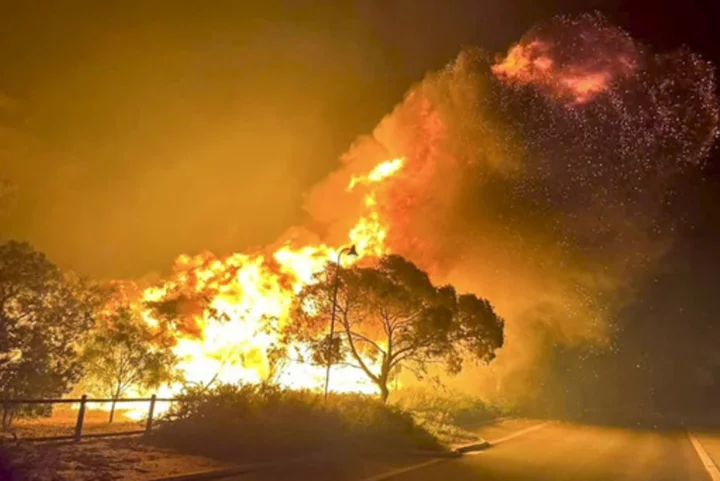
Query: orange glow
x,y
233,309
532,63
380,172
521,59
585,87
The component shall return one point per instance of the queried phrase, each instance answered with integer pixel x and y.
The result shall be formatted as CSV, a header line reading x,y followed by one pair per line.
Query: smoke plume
x,y
540,181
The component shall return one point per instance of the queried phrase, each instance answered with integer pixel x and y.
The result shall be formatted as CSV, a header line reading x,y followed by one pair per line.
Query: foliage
x,y
448,407
391,315
172,316
260,420
449,415
44,315
125,353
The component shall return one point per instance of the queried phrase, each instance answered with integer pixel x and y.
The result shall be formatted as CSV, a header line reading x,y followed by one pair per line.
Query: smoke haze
x,y
540,179
547,198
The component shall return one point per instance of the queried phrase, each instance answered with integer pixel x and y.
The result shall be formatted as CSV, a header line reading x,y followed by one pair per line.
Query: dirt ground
x,y
121,459
125,458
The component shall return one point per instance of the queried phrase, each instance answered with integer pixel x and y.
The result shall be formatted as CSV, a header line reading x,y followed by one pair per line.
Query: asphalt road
x,y
561,452
555,452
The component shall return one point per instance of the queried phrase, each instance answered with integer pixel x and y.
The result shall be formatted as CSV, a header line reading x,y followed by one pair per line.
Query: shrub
x,y
254,422
448,407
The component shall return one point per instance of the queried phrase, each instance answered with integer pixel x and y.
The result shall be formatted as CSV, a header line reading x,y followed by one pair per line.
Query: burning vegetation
x,y
266,316
537,180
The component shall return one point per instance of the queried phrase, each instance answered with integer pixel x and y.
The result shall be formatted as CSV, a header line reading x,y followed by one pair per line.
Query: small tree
x,y
44,315
391,315
124,354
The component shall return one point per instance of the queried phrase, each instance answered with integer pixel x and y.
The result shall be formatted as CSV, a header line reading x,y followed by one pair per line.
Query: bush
x,y
448,408
254,422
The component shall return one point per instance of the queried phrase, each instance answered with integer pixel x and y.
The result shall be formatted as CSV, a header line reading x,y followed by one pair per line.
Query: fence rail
x,y
79,400
83,402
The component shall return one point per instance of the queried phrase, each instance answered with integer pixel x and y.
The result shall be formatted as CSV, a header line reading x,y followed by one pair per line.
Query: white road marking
x,y
705,458
517,433
413,467
473,453
395,472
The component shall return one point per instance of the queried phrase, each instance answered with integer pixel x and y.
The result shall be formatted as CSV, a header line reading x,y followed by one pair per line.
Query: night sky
x,y
107,108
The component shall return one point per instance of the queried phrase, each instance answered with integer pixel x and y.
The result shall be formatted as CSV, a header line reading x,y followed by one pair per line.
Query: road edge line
x,y
518,433
413,467
707,461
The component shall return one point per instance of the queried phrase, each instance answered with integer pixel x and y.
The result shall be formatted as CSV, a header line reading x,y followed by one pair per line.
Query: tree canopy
x,y
391,315
44,314
125,353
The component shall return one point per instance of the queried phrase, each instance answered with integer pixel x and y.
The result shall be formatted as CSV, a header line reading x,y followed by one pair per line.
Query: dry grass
x,y
62,423
448,434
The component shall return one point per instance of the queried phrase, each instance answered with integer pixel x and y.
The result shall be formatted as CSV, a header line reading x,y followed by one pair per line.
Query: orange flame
x,y
247,299
380,172
576,72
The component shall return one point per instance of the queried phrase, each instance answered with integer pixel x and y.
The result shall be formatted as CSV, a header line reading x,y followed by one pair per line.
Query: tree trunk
x,y
383,381
384,392
7,418
10,419
112,406
112,411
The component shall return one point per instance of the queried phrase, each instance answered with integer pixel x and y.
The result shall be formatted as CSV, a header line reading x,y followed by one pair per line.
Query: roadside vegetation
x,y
257,421
449,406
448,415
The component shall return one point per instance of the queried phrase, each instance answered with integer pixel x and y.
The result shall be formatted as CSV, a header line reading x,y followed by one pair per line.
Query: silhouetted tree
x,y
124,352
43,316
391,315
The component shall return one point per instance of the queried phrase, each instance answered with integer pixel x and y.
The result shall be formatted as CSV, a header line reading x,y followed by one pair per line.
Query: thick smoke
x,y
540,182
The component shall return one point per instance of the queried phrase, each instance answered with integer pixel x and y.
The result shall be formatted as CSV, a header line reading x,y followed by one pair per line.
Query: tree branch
x,y
369,341
396,356
412,370
356,355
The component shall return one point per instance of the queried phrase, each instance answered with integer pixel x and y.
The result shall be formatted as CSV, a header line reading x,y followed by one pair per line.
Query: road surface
x,y
554,452
561,452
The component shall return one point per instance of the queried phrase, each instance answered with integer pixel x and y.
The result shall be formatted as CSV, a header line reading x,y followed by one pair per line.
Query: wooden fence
x,y
83,402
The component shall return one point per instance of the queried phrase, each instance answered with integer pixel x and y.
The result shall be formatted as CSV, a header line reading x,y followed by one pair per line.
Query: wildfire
x,y
380,172
233,309
577,71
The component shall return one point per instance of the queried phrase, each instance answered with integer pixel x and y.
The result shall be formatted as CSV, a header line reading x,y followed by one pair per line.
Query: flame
x,y
577,72
232,310
369,233
380,172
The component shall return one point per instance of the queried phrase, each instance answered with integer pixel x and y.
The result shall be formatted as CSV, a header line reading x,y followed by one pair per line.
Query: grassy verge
x,y
449,416
62,423
258,422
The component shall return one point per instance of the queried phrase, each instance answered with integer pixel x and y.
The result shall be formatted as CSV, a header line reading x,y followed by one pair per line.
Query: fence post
x,y
6,412
80,418
148,423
